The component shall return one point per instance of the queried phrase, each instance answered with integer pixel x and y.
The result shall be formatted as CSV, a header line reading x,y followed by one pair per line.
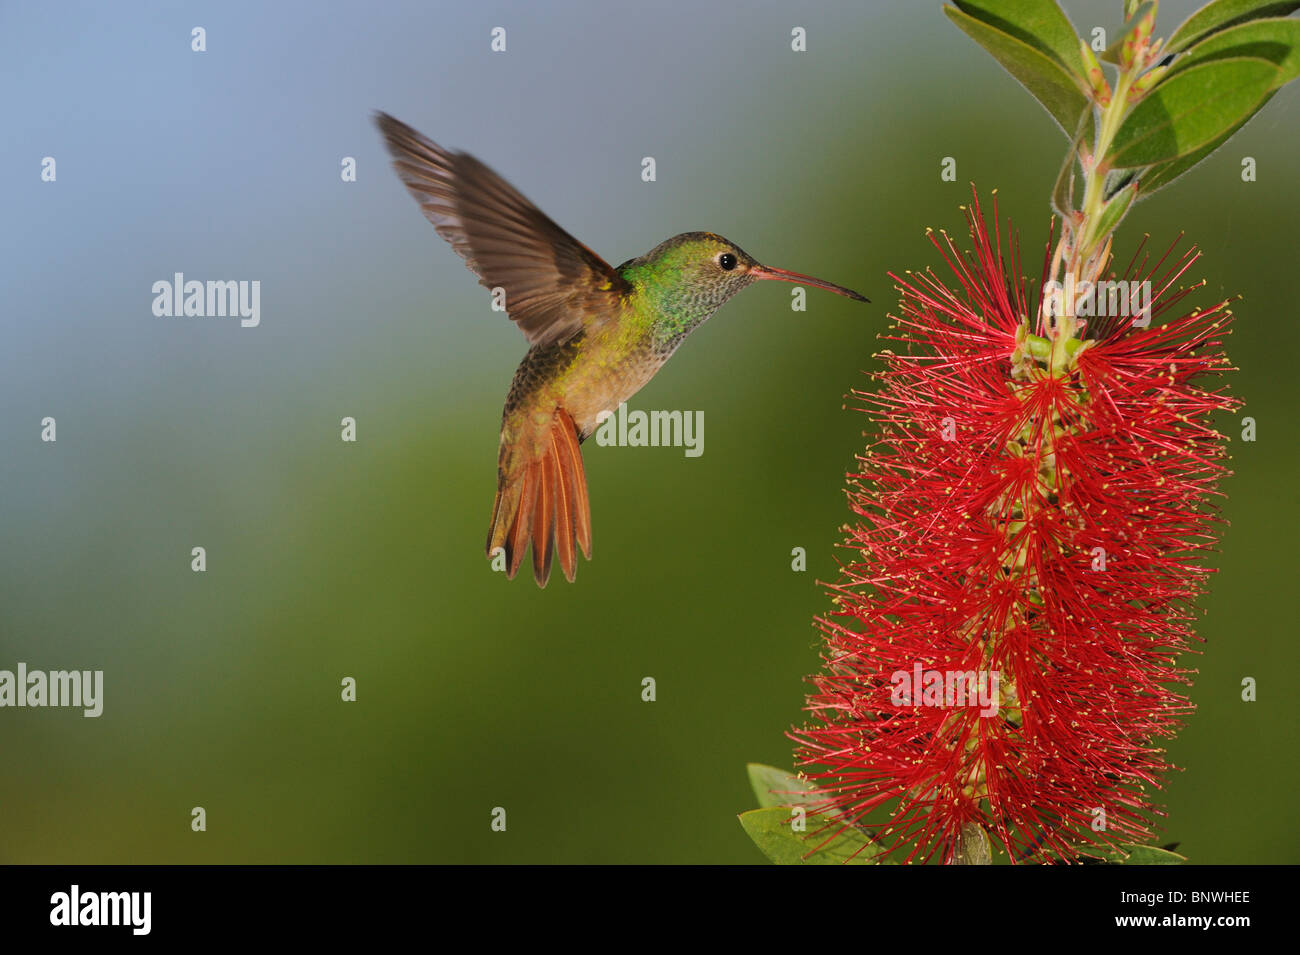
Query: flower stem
x,y
1095,171
1083,252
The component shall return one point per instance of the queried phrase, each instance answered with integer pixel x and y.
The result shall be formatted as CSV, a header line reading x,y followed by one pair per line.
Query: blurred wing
x,y
553,283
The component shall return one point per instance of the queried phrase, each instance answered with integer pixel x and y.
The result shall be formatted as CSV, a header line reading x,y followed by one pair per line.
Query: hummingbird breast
x,y
589,374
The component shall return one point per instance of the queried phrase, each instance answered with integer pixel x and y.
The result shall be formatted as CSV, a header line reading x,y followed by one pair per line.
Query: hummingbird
x,y
597,333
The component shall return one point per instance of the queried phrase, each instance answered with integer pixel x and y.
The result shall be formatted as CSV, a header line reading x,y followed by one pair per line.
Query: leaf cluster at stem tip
x,y
1166,104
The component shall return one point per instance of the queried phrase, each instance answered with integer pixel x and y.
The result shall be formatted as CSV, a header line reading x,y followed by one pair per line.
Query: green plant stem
x,y
1094,198
1094,191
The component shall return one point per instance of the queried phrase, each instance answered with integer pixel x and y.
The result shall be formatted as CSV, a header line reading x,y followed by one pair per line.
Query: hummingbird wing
x,y
554,285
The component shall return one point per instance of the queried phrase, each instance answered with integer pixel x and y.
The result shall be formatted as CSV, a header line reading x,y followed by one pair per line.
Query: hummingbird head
x,y
691,275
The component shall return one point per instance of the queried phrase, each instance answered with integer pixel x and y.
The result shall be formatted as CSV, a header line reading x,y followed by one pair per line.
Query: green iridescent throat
x,y
676,287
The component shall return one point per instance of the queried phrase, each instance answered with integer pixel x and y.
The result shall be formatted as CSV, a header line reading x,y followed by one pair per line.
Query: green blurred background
x,y
328,560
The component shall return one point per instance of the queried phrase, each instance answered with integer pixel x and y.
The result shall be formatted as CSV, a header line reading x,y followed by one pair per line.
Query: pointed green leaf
x,y
1114,211
771,831
1118,179
1041,24
1039,73
1136,855
1222,14
1153,855
1158,176
1276,40
776,787
1063,191
1191,110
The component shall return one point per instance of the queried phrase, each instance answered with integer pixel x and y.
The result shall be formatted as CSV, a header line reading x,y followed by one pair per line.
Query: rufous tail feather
x,y
545,502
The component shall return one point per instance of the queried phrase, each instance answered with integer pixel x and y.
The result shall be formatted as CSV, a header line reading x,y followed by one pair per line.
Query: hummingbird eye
x,y
727,261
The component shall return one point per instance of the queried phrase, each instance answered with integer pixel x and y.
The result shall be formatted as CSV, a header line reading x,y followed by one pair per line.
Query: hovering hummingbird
x,y
598,334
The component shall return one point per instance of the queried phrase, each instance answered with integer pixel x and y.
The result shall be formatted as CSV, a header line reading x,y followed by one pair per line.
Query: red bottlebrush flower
x,y
1004,645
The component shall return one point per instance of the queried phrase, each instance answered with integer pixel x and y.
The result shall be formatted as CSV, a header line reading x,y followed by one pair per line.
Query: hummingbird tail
x,y
545,501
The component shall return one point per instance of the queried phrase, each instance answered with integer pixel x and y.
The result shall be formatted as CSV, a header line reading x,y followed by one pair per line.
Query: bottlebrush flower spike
x,y
1031,522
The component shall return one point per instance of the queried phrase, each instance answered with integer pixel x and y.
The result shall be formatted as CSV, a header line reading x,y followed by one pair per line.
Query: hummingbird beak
x,y
781,275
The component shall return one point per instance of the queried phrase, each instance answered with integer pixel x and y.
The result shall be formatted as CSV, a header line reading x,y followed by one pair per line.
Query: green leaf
x,y
1135,855
776,787
1191,109
1041,74
1041,24
836,844
1162,174
1063,191
1276,40
1222,14
1111,53
1114,211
